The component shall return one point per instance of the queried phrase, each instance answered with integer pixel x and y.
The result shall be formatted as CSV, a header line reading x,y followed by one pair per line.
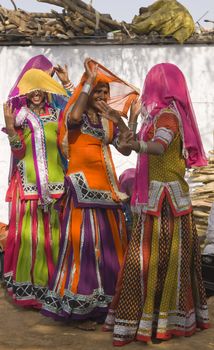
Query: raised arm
x,y
62,74
134,113
80,105
14,136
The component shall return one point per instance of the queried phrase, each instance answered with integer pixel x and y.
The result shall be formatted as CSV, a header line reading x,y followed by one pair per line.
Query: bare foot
x,y
85,325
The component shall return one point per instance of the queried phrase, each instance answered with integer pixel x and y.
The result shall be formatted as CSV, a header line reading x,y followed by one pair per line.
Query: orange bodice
x,y
90,161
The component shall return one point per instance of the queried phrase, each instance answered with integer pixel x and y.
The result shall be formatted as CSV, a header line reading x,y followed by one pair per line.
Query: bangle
x,y
13,138
86,88
15,141
68,85
133,126
143,147
117,143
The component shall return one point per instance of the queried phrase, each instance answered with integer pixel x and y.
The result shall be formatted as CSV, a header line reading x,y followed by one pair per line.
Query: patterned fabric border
x,y
31,189
24,291
85,195
75,303
179,200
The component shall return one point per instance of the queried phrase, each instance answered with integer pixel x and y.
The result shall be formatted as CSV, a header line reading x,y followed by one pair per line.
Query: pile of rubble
x,y
203,194
76,20
79,23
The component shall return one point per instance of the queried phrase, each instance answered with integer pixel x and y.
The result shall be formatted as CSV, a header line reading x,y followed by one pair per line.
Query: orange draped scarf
x,y
122,94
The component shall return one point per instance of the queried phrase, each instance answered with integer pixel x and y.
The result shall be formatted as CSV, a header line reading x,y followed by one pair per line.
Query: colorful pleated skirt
x,y
92,247
31,251
160,290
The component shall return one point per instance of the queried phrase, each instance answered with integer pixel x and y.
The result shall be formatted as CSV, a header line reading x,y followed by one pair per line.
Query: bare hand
x,y
123,146
135,110
62,73
90,73
126,137
108,112
8,116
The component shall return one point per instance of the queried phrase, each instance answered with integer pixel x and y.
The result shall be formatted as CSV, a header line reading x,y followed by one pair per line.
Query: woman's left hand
x,y
62,73
107,112
135,111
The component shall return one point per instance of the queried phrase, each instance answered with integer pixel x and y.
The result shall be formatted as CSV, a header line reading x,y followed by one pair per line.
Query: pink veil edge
x,y
171,90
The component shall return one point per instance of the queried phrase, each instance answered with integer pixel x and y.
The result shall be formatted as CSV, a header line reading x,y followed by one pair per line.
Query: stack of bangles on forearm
x,y
69,86
86,88
142,147
15,141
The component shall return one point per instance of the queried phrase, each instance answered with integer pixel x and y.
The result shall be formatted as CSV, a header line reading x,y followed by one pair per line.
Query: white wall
x,y
129,62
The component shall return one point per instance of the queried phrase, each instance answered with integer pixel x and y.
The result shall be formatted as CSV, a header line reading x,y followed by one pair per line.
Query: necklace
x,y
38,109
93,117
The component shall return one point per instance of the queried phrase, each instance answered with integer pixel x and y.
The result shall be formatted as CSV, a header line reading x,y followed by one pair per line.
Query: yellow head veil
x,y
36,79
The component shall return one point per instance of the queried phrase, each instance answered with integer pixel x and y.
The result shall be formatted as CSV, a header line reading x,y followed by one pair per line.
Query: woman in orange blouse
x,y
93,227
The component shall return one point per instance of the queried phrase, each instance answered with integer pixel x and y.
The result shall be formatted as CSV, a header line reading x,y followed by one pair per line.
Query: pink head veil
x,y
37,62
164,86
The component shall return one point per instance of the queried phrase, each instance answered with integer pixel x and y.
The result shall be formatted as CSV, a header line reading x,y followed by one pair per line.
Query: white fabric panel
x,y
131,63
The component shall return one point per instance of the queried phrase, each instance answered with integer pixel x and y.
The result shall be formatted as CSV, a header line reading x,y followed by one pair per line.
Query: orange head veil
x,y
122,94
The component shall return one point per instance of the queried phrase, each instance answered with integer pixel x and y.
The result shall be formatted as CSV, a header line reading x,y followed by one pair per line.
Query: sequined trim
x,y
86,195
42,188
31,189
24,291
179,201
76,303
87,128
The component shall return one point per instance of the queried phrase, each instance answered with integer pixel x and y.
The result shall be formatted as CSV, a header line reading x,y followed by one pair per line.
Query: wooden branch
x,y
42,15
83,5
78,6
14,5
92,16
86,22
10,26
53,2
61,19
71,25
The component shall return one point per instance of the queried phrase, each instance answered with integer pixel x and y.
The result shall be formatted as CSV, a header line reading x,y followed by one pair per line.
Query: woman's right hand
x,y
9,117
90,73
125,138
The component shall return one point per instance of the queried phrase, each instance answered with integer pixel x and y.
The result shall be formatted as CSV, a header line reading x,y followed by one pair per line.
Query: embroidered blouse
x,y
91,170
167,171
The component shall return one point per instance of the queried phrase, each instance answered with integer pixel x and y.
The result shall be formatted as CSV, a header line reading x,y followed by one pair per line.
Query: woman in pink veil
x,y
32,119
162,292
40,62
37,62
43,63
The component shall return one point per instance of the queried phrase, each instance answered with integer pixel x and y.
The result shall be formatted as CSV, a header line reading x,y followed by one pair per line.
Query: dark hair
x,y
103,83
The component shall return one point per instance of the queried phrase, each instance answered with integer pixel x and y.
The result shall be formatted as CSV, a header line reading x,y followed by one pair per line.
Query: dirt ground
x,y
29,330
